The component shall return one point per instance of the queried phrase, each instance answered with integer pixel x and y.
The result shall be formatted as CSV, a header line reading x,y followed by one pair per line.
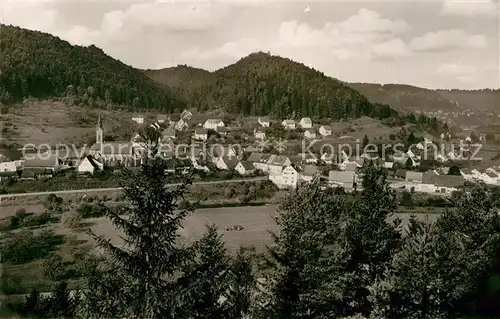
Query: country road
x,y
93,190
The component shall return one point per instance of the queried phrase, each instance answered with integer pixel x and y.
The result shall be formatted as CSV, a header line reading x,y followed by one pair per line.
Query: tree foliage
x,y
36,64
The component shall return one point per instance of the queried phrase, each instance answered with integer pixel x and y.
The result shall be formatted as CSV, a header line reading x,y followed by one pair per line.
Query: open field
x,y
256,220
55,122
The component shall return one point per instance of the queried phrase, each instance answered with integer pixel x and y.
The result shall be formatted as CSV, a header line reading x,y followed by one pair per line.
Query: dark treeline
x,y
36,64
335,256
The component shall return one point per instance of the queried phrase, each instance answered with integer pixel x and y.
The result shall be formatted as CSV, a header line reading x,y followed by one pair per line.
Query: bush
x,y
26,246
54,268
71,219
37,220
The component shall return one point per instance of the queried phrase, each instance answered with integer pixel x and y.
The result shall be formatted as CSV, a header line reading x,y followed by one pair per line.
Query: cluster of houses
x,y
284,171
439,181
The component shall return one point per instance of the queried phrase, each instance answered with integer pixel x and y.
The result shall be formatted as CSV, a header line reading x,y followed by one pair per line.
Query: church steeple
x,y
99,131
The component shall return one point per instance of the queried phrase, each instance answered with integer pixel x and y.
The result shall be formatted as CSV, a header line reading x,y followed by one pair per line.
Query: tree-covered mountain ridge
x,y
262,84
40,65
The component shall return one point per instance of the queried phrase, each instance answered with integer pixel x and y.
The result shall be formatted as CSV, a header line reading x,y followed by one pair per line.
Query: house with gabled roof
x,y
344,179
227,162
287,177
259,134
186,115
11,160
162,118
308,173
213,124
490,178
310,133
325,130
138,118
89,165
288,124
413,180
200,134
306,123
277,162
467,173
167,135
264,121
259,161
245,168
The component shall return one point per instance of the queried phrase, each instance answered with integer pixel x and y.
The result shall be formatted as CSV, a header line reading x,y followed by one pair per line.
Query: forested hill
x,y
262,84
406,97
43,66
478,100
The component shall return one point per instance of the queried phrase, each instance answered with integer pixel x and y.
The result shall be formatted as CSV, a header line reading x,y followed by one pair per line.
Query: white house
x,y
259,161
259,134
305,123
413,180
11,160
245,168
139,119
288,124
286,178
325,130
213,124
167,135
181,125
89,165
467,174
186,115
276,163
162,118
227,162
489,178
201,134
264,121
310,134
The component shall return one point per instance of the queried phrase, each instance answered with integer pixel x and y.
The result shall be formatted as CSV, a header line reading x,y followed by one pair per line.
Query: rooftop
x,y
343,177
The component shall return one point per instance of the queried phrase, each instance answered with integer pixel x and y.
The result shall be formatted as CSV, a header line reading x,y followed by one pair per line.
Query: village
x,y
204,146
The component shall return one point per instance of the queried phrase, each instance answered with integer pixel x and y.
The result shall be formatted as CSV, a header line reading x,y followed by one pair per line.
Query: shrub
x,y
25,246
54,268
37,220
71,219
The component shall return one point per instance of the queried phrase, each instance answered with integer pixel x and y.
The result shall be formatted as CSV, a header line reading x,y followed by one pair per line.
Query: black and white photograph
x,y
236,159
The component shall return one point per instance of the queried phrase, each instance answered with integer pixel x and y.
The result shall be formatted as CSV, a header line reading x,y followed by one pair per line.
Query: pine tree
x,y
210,273
299,281
62,305
144,279
242,283
368,241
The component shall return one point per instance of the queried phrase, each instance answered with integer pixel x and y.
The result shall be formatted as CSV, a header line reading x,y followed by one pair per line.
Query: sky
x,y
432,44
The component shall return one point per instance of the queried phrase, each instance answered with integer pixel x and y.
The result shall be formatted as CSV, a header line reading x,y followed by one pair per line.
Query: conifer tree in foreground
x,y
143,279
368,241
300,278
210,273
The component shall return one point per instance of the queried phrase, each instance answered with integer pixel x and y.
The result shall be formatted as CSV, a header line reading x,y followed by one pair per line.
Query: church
x,y
113,153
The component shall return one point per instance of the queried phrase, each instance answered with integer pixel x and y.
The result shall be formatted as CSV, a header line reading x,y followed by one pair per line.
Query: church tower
x,y
99,132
